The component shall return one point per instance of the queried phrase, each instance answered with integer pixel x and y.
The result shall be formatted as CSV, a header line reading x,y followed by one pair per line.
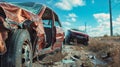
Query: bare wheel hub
x,y
26,54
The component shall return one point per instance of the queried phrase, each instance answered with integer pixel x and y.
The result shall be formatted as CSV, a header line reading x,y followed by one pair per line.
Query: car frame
x,y
24,35
76,36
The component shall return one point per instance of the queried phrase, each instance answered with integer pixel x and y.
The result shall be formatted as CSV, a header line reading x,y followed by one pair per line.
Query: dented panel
x,y
3,36
17,17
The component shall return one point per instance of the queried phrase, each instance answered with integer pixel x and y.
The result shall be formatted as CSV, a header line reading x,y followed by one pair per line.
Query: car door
x,y
59,32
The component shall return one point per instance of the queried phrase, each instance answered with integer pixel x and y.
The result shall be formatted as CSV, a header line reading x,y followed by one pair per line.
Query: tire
x,y
19,52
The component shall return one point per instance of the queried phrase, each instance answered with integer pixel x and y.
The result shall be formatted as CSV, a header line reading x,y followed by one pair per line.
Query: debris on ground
x,y
101,52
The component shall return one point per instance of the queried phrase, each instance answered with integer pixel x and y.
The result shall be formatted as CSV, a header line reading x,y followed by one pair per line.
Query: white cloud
x,y
69,4
81,28
103,26
102,17
116,25
116,30
71,17
63,5
93,1
94,31
118,19
98,31
101,29
66,23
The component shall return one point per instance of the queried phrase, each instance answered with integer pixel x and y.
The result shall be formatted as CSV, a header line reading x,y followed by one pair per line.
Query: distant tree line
x,y
116,34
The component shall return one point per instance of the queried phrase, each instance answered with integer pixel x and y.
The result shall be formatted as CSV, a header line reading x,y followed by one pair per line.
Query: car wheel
x,y
19,52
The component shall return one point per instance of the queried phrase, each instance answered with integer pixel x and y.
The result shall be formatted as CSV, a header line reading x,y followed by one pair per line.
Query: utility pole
x,y
111,25
85,28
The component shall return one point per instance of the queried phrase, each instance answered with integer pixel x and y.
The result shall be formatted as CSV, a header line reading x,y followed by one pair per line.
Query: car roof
x,y
30,10
77,30
32,7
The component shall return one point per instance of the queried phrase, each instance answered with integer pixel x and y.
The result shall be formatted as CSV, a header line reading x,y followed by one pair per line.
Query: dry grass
x,y
106,45
54,58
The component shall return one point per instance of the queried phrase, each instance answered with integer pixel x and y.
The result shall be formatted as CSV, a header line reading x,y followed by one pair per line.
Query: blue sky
x,y
75,13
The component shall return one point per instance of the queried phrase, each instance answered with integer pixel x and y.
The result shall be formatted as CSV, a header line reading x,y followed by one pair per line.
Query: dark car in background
x,y
76,36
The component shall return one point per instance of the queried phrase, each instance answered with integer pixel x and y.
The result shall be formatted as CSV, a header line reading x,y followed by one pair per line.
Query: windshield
x,y
19,0
34,8
27,5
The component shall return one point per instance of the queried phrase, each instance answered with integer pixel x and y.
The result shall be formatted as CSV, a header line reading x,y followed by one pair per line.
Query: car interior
x,y
47,20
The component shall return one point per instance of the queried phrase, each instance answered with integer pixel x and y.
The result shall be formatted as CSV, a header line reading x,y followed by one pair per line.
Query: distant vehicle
x,y
74,35
27,31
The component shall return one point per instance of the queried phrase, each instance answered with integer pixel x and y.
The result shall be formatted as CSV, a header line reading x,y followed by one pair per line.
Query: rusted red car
x,y
76,36
27,30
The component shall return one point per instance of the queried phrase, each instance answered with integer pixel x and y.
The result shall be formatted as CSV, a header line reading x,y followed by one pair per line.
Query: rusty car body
x,y
28,30
76,36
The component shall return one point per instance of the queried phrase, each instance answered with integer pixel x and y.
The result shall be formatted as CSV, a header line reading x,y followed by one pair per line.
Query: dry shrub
x,y
54,58
109,45
98,46
78,47
115,54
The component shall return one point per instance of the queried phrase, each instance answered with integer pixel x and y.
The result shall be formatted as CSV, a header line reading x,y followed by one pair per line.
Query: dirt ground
x,y
107,49
101,52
